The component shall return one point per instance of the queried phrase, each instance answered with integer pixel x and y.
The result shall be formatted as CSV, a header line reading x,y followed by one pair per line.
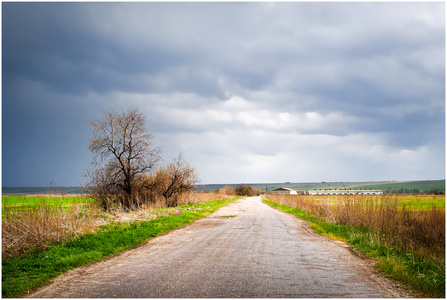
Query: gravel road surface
x,y
246,249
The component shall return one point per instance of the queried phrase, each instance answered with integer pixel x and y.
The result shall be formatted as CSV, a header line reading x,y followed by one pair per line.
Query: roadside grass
x,y
26,272
423,274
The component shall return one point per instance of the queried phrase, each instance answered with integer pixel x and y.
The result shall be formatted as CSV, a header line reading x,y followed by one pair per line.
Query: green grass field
x,y
422,202
15,203
410,202
30,201
421,186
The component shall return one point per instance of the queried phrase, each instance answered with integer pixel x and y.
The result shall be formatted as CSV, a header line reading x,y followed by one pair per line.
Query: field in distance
x,y
421,186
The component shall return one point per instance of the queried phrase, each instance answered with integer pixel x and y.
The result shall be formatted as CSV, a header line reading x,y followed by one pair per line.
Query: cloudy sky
x,y
249,92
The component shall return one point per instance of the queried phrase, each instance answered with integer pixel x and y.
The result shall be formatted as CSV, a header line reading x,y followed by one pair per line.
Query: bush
x,y
226,190
246,190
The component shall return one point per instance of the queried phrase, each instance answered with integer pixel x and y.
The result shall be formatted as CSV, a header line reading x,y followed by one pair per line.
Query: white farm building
x,y
345,192
284,191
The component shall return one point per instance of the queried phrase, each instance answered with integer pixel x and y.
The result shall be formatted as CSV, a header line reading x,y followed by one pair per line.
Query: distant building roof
x,y
283,189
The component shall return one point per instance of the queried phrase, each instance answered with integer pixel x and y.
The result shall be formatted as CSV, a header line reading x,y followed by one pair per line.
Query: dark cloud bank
x,y
249,92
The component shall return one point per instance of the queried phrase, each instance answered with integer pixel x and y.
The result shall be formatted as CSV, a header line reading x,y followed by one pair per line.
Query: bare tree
x,y
123,154
174,179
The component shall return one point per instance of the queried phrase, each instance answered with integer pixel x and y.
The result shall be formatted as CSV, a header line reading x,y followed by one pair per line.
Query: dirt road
x,y
246,249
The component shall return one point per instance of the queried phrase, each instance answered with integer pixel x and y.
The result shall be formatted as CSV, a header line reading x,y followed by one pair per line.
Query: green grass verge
x,y
421,274
24,273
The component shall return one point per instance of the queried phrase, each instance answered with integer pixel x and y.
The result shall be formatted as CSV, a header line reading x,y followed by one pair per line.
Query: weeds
x,y
39,222
43,223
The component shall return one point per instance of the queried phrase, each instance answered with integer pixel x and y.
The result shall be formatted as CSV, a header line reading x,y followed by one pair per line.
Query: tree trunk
x,y
166,200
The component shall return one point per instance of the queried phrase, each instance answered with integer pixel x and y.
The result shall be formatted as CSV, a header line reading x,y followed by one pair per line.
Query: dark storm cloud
x,y
56,44
43,136
307,76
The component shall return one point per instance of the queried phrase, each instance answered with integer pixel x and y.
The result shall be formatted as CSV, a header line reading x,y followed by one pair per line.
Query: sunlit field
x,y
38,221
412,201
392,214
23,202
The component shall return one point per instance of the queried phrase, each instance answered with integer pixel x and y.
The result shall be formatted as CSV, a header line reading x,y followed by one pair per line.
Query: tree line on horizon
x,y
242,190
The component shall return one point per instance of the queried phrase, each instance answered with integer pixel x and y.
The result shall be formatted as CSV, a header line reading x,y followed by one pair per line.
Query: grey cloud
x,y
43,136
144,40
49,44
361,68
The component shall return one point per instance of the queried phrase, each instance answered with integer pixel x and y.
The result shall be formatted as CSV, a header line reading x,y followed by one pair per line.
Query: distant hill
x,y
407,186
421,186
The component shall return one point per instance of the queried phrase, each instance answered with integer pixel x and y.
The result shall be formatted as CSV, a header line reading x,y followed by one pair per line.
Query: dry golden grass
x,y
45,223
192,197
412,229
